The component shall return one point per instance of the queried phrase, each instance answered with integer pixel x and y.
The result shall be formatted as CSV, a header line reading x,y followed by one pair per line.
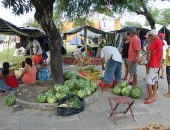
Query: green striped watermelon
x,y
10,100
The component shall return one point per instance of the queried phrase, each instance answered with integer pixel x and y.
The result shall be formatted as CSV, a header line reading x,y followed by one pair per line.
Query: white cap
x,y
153,32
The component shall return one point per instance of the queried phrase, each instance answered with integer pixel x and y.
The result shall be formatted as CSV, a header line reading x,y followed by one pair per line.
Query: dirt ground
x,y
30,93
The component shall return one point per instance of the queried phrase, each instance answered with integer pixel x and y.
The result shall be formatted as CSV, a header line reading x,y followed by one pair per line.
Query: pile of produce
x,y
90,72
74,84
82,61
10,100
16,66
125,89
155,126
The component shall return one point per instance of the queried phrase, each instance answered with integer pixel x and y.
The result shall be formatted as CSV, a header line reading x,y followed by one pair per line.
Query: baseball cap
x,y
153,32
161,35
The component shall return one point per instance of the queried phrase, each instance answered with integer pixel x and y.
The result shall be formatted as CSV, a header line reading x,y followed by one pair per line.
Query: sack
x,y
66,111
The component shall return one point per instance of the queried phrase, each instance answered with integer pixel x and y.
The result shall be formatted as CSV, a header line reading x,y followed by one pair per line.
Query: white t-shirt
x,y
107,51
36,43
165,47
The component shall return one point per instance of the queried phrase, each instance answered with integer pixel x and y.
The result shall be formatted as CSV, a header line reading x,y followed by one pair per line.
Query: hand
x,y
137,59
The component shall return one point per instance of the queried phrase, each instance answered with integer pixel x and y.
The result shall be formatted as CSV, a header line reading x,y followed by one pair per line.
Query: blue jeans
x,y
4,86
113,69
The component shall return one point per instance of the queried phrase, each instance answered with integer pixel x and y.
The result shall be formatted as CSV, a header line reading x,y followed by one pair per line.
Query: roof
x,y
8,28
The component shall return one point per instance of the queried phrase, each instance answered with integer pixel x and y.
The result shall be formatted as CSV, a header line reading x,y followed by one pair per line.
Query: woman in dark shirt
x,y
125,54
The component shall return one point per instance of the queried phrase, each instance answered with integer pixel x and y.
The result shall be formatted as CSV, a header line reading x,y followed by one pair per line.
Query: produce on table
x,y
155,126
82,61
42,98
90,72
127,90
10,100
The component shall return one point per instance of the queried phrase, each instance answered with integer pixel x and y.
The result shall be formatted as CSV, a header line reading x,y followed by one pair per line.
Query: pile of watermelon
x,y
125,89
74,84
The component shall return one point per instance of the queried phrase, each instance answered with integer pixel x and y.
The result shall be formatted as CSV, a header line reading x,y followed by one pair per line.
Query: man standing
x,y
113,59
165,47
156,52
36,50
133,55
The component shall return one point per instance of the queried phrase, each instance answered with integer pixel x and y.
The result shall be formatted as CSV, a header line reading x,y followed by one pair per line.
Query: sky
x,y
7,14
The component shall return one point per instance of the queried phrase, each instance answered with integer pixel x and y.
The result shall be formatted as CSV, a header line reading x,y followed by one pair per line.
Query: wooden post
x,y
85,39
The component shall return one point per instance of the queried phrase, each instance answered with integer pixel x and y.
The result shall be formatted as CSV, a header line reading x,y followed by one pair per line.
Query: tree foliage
x,y
134,24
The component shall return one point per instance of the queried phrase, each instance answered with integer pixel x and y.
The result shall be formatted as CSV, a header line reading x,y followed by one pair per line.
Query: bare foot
x,y
124,78
167,95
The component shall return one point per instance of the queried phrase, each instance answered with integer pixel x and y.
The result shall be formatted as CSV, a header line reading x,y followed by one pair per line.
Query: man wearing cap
x,y
165,47
133,54
156,52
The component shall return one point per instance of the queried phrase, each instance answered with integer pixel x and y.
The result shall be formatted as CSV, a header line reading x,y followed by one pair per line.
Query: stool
x,y
120,100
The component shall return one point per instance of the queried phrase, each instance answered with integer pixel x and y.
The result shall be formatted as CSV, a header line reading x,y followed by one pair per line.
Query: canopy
x,y
92,29
90,34
8,28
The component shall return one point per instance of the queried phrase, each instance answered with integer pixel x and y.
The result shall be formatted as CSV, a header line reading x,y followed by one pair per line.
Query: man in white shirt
x,y
113,60
165,47
36,50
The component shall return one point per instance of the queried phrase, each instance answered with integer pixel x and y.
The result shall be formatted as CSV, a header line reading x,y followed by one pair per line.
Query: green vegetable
x,y
51,98
136,93
125,92
82,93
10,100
88,90
73,102
64,89
117,90
70,84
124,84
42,98
59,96
57,87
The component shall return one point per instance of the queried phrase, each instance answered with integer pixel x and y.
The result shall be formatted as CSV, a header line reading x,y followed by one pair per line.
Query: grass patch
x,y
7,56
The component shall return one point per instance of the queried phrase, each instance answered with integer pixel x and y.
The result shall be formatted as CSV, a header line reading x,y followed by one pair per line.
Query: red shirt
x,y
156,49
133,47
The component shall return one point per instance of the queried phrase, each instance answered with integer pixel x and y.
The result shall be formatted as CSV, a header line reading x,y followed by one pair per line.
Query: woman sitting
x,y
43,71
8,80
28,75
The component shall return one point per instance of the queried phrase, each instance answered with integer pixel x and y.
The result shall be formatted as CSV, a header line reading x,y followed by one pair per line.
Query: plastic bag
x,y
66,111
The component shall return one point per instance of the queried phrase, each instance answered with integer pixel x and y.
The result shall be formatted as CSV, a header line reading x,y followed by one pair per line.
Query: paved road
x,y
95,116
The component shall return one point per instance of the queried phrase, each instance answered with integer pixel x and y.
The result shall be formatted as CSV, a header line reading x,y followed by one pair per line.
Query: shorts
x,y
113,69
133,68
168,74
152,76
125,60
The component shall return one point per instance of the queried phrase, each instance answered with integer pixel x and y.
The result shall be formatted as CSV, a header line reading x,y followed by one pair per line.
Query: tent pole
x,y
85,39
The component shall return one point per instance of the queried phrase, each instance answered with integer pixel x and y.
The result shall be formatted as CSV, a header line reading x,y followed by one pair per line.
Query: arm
x,y
24,72
37,48
1,75
103,62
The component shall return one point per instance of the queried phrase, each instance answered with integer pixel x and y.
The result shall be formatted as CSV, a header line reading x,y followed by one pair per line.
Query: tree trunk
x,y
43,14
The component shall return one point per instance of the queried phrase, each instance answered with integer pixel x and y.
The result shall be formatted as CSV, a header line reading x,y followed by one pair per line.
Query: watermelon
x,y
88,90
136,93
94,85
59,96
82,93
124,84
125,91
64,89
57,87
117,90
42,98
70,84
10,100
67,75
51,98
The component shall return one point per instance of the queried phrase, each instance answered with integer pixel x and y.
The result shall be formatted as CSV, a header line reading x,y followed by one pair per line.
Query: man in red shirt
x,y
133,54
156,52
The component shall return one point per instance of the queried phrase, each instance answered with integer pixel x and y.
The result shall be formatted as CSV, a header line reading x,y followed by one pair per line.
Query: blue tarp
x,y
77,41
